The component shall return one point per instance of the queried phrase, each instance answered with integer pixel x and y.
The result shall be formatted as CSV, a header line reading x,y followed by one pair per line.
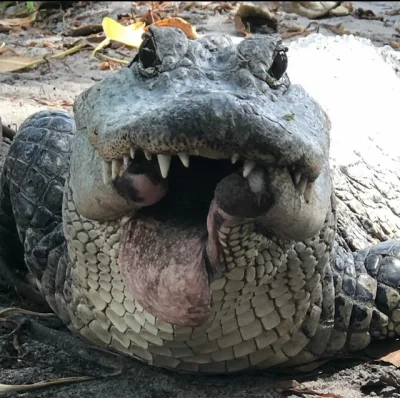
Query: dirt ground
x,y
44,349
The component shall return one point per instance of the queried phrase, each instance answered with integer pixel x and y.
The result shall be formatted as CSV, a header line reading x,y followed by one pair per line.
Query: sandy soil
x,y
46,356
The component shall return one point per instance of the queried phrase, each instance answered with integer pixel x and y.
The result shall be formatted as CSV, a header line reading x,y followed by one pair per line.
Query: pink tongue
x,y
162,263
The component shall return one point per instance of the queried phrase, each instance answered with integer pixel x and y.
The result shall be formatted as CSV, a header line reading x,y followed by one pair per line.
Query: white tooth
x,y
184,157
164,162
308,191
297,177
235,158
302,185
147,155
106,166
126,160
115,168
247,167
132,152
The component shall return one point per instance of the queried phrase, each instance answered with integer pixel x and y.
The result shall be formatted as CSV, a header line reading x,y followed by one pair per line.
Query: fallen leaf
x,y
4,49
393,357
42,384
394,44
113,61
12,22
337,29
312,9
49,44
109,65
394,12
150,17
101,45
56,103
176,22
254,19
104,65
301,32
387,351
13,63
241,27
22,311
360,13
294,387
130,35
308,392
340,11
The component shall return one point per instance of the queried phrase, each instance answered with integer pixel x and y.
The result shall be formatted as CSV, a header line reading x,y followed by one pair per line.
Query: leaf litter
x,y
128,35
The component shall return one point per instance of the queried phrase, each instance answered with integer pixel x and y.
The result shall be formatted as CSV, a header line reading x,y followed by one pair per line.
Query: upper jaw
x,y
291,131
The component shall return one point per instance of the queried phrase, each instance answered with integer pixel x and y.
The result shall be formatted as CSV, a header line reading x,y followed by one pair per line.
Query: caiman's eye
x,y
279,66
147,53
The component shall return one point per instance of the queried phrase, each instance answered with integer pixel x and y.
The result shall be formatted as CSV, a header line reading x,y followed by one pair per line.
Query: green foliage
x,y
21,6
30,6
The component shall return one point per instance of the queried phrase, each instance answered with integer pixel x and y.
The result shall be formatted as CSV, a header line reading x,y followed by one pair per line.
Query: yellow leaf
x,y
130,35
12,63
188,29
9,22
101,45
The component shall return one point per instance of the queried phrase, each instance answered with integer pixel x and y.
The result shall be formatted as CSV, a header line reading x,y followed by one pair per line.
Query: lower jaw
x,y
168,259
170,251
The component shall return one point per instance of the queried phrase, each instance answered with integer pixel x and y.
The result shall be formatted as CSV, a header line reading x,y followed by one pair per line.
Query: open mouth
x,y
165,247
170,248
180,184
187,186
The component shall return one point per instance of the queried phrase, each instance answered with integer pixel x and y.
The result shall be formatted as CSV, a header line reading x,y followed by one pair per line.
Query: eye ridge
x,y
147,53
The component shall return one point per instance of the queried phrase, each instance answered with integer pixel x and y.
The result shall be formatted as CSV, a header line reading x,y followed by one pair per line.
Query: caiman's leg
x,y
382,262
366,302
32,188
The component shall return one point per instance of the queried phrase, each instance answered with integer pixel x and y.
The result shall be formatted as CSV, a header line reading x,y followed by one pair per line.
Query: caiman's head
x,y
194,136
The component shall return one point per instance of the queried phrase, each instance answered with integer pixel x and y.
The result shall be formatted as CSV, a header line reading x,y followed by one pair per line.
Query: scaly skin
x,y
214,267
